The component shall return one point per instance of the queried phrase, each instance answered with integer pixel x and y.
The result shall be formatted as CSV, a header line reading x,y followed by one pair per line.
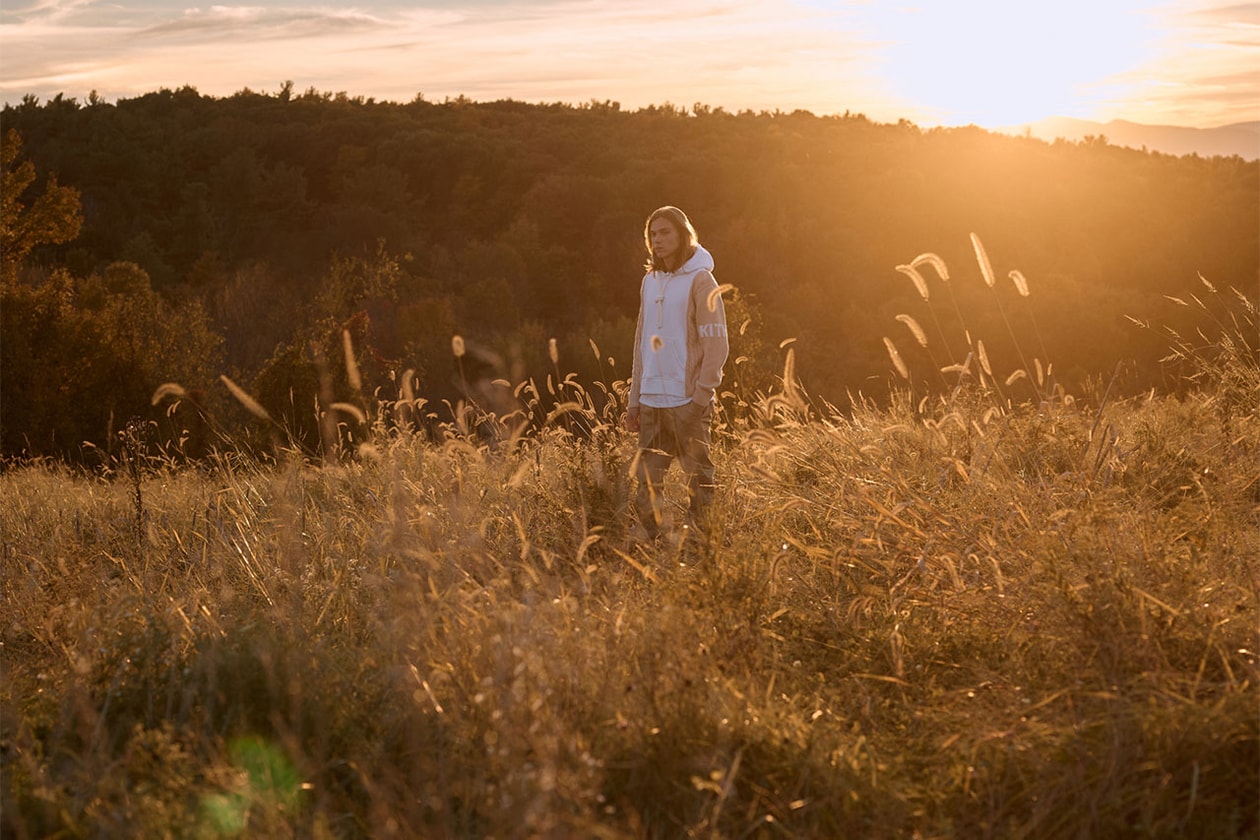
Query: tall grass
x,y
952,616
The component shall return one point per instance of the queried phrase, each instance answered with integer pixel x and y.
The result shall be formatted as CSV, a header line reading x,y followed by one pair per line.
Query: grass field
x,y
954,617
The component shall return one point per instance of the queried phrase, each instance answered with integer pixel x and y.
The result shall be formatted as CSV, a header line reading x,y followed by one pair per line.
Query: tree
x,y
55,216
81,356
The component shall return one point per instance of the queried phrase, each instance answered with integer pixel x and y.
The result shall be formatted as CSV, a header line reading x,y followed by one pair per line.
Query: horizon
x,y
1185,64
1240,139
83,100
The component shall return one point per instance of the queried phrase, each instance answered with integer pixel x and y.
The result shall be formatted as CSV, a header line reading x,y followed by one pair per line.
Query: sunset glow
x,y
971,61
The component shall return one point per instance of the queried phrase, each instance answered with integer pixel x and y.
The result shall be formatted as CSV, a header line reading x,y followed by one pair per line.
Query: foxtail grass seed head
x,y
914,328
168,389
1041,379
406,391
915,277
1244,300
1016,376
457,346
594,348
984,357
896,358
352,365
350,409
716,295
986,268
1021,285
791,390
563,409
553,351
933,260
245,399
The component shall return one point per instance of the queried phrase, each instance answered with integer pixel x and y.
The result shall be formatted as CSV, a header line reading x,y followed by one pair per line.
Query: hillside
x,y
1241,139
230,237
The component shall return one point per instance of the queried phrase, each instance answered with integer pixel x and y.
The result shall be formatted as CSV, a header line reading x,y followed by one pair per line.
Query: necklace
x,y
661,286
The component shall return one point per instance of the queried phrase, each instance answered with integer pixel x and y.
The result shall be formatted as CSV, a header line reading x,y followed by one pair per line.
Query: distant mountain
x,y
1242,139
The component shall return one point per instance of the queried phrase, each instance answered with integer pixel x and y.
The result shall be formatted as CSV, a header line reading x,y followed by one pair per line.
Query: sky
x,y
992,63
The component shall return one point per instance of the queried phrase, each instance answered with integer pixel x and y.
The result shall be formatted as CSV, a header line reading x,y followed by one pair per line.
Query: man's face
x,y
665,240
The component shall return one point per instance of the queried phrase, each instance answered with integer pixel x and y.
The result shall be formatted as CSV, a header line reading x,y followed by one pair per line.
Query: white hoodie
x,y
680,342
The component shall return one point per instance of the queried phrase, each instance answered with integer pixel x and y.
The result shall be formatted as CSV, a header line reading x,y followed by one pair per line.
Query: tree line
x,y
176,237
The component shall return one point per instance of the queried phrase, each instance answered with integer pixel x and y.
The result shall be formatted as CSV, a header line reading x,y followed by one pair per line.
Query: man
x,y
680,345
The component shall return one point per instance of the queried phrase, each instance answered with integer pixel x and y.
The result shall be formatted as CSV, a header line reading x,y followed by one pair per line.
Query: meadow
x,y
978,612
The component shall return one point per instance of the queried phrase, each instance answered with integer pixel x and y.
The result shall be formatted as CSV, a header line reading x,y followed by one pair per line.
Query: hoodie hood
x,y
701,260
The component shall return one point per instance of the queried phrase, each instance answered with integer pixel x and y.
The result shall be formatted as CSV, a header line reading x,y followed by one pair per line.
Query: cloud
x,y
1205,70
48,11
826,57
257,22
1242,12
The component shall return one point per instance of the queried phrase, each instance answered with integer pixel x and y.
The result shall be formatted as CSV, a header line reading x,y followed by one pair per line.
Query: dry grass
x,y
951,618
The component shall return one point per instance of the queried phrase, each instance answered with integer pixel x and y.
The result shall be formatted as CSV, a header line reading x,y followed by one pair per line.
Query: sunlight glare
x,y
1002,64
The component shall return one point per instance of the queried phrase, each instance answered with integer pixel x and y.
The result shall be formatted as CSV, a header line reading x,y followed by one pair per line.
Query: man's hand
x,y
632,419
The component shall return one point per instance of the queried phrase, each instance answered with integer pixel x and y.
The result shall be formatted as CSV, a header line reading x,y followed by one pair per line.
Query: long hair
x,y
687,237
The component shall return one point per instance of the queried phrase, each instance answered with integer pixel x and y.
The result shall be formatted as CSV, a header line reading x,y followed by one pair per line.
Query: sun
x,y
999,64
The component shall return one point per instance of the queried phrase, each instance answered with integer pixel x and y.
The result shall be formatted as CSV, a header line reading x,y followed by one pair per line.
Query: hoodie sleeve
x,y
636,364
711,344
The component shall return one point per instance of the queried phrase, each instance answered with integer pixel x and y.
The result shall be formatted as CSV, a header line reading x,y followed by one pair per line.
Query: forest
x,y
182,238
